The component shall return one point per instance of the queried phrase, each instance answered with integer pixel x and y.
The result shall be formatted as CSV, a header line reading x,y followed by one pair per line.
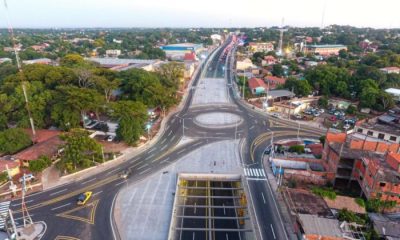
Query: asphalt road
x,y
57,207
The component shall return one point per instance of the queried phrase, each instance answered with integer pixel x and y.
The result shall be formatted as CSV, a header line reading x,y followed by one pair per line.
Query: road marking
x,y
172,139
60,206
219,133
90,180
162,149
252,126
251,171
262,195
143,166
120,183
54,193
173,120
263,172
165,160
148,157
256,172
18,204
94,194
163,141
251,115
112,171
170,132
144,171
257,179
273,233
245,172
202,132
196,144
16,219
152,150
181,151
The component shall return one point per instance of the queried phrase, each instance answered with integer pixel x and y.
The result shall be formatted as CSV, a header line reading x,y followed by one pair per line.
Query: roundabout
x,y
218,120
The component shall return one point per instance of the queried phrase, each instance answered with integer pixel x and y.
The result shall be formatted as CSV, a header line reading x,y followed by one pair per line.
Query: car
x,y
298,116
84,197
335,125
316,114
125,174
110,138
347,126
267,150
276,115
28,177
321,110
333,118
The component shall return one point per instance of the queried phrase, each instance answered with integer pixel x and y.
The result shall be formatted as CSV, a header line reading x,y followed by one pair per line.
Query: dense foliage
x,y
13,140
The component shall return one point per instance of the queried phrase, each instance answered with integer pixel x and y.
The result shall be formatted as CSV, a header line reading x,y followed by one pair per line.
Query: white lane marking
x,y
148,157
18,204
252,126
202,132
251,115
256,171
263,172
143,166
112,171
162,149
94,194
273,233
163,141
90,180
245,172
117,184
196,144
170,132
181,151
152,150
63,190
262,195
257,179
219,133
173,120
251,170
148,169
173,138
165,160
60,206
254,210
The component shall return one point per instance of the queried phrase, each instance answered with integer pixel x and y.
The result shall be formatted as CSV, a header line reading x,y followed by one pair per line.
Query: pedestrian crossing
x,y
3,213
254,172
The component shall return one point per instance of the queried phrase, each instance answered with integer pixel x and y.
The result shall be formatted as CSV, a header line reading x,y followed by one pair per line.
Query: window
x,y
370,133
381,136
382,184
393,138
360,130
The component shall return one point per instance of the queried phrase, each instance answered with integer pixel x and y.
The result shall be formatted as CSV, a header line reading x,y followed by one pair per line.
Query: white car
x,y
275,115
321,111
28,177
110,138
347,126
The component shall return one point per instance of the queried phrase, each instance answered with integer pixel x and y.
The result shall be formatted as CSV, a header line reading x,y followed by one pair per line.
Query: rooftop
x,y
112,62
280,93
47,148
385,123
256,82
327,46
341,202
386,226
304,202
312,224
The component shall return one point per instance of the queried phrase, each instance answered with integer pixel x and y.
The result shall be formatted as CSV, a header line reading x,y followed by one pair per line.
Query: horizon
x,y
185,14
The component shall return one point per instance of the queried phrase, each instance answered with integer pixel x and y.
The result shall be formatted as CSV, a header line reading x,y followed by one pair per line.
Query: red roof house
x,y
274,81
190,57
257,86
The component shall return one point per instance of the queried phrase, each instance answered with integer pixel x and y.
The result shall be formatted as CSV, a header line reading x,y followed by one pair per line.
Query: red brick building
x,y
372,163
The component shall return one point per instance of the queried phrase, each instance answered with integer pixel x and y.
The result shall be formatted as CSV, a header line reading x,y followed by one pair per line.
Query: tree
x,y
351,110
129,130
13,140
323,102
277,70
171,74
72,60
300,87
3,177
39,164
80,151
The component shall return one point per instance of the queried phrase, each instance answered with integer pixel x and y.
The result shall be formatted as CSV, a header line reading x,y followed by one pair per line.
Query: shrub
x,y
322,140
351,110
3,177
13,140
346,215
324,192
297,148
39,164
377,205
360,202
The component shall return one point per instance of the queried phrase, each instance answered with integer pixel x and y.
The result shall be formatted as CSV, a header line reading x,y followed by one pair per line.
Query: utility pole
x,y
26,217
281,30
21,73
13,224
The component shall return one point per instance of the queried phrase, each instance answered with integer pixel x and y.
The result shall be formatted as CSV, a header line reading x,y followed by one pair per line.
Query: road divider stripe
x,y
60,206
87,181
55,193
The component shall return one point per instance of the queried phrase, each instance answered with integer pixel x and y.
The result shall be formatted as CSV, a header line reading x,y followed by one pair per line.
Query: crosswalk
x,y
3,213
254,172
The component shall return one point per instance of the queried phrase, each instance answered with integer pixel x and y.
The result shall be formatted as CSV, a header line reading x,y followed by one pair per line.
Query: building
x,y
315,227
45,61
47,143
261,46
257,86
395,92
178,51
385,127
389,70
118,64
9,165
113,52
3,60
273,81
324,50
268,60
366,163
387,227
244,64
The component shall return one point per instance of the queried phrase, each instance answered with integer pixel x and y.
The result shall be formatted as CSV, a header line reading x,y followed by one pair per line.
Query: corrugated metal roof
x,y
322,226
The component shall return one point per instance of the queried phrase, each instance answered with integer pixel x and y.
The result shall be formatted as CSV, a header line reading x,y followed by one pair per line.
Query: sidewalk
x,y
34,231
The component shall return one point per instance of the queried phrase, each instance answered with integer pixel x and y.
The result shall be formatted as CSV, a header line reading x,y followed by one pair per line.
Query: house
x,y
273,81
113,52
395,92
315,227
47,143
324,50
244,64
261,46
257,86
387,227
118,64
191,57
45,61
3,60
269,60
389,70
178,51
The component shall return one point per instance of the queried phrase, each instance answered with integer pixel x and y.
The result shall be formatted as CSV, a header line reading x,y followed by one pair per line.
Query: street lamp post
x,y
298,129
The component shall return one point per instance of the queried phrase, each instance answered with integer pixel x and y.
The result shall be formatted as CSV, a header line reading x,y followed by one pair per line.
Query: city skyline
x,y
179,13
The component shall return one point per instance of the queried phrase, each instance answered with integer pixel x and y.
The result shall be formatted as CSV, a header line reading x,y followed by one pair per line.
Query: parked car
x,y
316,114
110,138
321,110
276,115
298,116
335,125
333,118
28,177
267,150
83,198
347,126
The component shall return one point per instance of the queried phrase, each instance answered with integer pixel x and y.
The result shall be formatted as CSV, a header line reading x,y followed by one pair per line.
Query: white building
x,y
113,52
3,60
395,92
244,64
388,70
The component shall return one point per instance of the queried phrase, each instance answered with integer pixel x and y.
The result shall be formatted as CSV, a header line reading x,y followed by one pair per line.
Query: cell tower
x,y
21,73
323,15
281,30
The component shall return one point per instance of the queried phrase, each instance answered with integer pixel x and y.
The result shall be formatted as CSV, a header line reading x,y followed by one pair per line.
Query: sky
x,y
200,13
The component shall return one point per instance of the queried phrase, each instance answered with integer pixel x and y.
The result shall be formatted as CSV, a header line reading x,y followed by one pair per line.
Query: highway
x,y
65,220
